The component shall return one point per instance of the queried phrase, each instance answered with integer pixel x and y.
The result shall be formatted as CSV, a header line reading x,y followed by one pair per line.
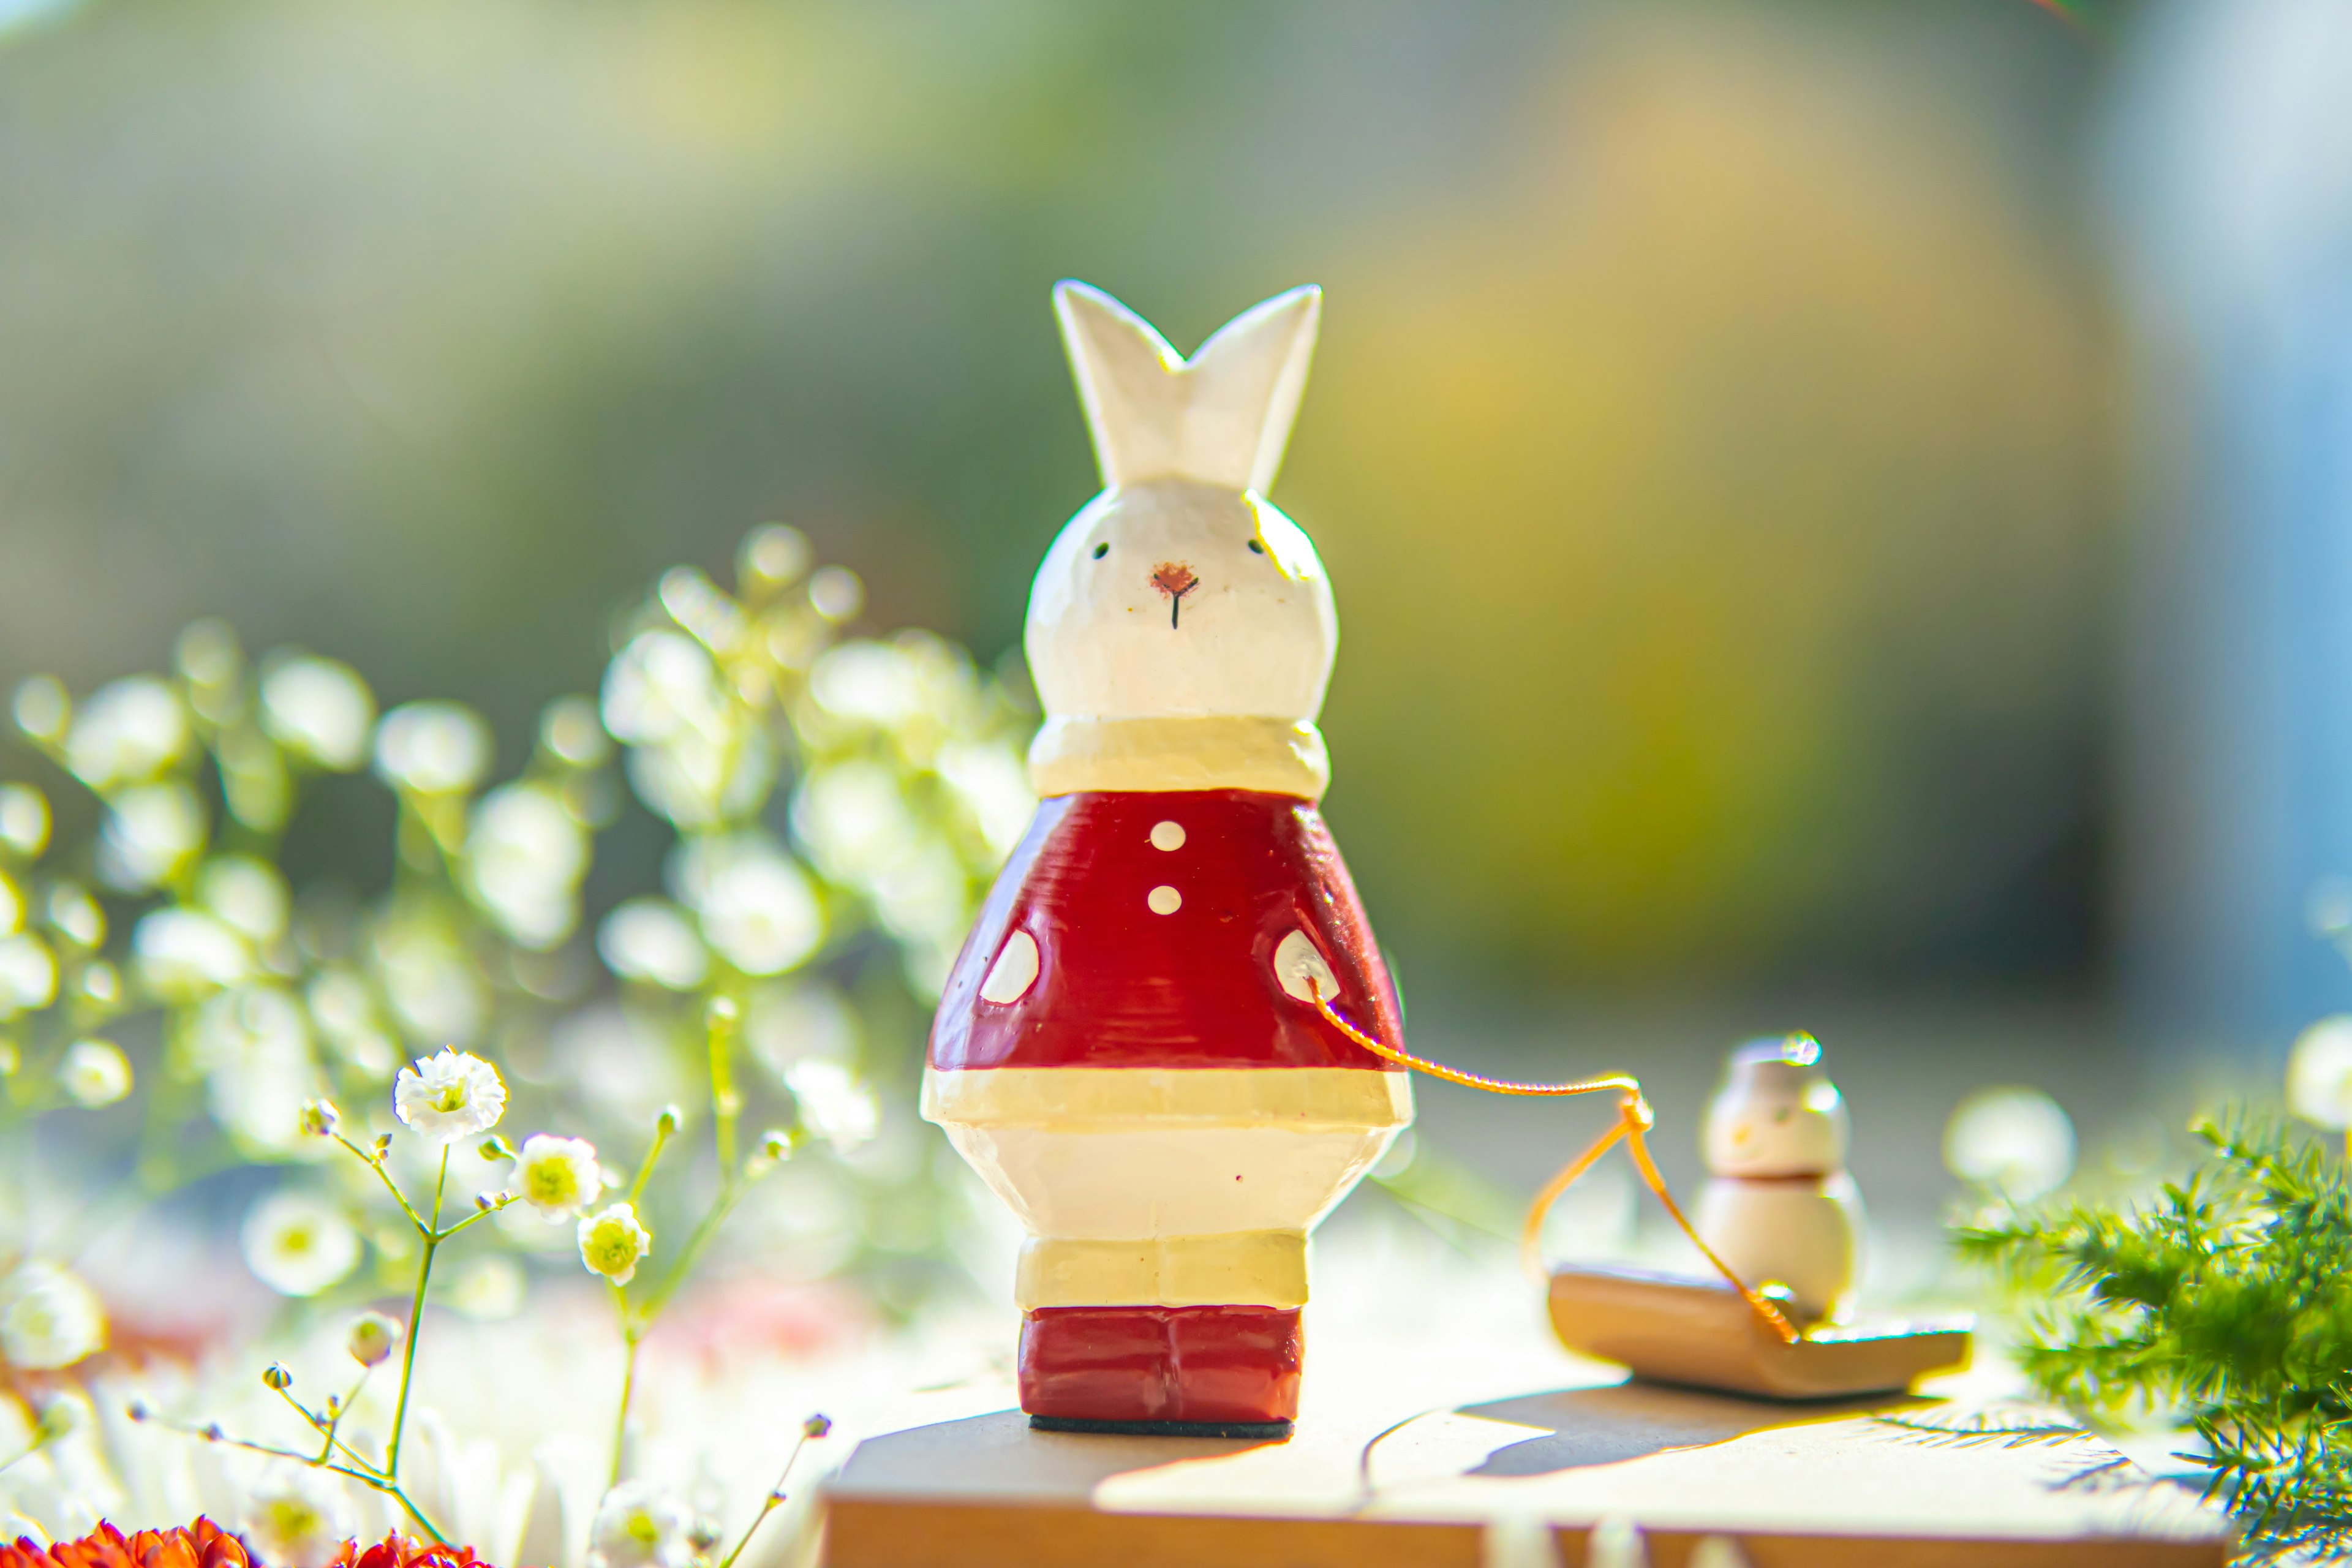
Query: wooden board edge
x,y
885,1532
1760,1549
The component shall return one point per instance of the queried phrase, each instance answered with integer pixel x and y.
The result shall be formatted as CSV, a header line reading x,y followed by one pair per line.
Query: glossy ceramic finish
x,y
1120,984
1130,1048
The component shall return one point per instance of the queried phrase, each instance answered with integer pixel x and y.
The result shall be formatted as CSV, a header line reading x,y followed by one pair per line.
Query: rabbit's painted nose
x,y
1175,579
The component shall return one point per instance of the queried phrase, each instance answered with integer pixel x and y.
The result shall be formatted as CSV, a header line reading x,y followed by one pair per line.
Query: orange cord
x,y
1634,1119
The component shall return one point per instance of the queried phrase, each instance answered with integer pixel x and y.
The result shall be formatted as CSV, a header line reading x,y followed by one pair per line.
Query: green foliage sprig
x,y
2226,1302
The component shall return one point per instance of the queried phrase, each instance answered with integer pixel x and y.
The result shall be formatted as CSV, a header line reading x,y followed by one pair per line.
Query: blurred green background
x,y
1710,441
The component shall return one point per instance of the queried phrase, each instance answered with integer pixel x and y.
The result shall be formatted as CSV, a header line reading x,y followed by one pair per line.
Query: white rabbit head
x,y
1777,1114
1180,592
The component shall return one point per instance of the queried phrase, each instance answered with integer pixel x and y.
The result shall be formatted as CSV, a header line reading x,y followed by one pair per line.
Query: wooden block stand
x,y
1375,1478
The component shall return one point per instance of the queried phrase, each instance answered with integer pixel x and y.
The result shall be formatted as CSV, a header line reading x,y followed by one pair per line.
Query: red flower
x,y
204,1544
398,1550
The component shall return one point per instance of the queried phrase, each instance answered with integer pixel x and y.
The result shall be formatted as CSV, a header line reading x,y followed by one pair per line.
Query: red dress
x,y
1120,984
1157,919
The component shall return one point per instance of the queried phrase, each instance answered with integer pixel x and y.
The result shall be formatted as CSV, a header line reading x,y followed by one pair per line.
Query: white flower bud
x,y
373,1339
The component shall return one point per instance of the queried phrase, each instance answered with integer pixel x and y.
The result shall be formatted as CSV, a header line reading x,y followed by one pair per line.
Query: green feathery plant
x,y
2223,1303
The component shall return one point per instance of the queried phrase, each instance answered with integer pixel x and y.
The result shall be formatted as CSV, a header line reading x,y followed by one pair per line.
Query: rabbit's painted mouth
x,y
1174,579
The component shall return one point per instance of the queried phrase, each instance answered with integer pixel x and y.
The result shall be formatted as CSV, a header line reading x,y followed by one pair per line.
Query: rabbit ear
x,y
1221,418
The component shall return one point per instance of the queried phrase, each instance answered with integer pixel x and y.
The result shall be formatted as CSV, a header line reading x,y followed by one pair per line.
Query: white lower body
x,y
1805,1233
1143,1186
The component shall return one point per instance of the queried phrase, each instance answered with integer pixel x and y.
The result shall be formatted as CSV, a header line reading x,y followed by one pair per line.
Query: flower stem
x,y
731,1192
432,1234
366,1476
726,1100
376,1165
774,1500
632,1335
645,1171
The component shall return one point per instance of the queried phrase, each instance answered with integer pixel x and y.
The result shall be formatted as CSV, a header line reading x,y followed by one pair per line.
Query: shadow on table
x,y
1633,1420
998,1456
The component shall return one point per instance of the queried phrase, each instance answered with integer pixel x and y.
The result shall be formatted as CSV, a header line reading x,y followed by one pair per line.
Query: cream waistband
x,y
1245,1268
1302,1098
1277,756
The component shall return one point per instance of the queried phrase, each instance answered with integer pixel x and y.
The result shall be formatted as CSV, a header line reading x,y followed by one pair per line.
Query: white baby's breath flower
x,y
296,1517
253,1046
450,1096
24,820
129,731
2017,1140
93,1073
48,1318
298,1243
28,975
872,682
249,895
652,940
835,593
184,955
992,782
431,748
148,833
639,1525
558,1176
834,1104
319,709
570,729
758,910
525,853
41,708
2319,1073
661,683
75,915
855,819
613,1243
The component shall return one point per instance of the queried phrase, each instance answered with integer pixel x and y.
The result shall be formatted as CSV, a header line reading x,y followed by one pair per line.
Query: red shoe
x,y
1222,1372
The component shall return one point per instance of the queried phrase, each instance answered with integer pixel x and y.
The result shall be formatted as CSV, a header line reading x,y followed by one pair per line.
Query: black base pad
x,y
1259,1430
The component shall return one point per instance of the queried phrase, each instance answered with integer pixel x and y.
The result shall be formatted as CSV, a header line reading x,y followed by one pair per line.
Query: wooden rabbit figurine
x,y
1130,1050
1779,1206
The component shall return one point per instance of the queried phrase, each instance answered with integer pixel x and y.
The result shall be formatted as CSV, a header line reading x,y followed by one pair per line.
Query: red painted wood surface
x,y
1161,1364
1121,985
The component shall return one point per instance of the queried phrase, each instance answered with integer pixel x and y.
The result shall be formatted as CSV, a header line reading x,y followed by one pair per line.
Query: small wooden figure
x,y
1137,1049
1780,1222
1779,1206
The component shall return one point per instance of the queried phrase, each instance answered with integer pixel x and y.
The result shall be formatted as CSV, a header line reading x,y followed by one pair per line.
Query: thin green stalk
x,y
774,1500
726,1100
663,1127
335,1444
335,1418
479,1215
632,1335
432,1234
730,1192
366,1477
367,1157
39,1443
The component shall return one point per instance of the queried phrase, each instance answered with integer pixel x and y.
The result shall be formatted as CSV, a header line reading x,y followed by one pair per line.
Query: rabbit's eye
x,y
1101,551
1255,548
